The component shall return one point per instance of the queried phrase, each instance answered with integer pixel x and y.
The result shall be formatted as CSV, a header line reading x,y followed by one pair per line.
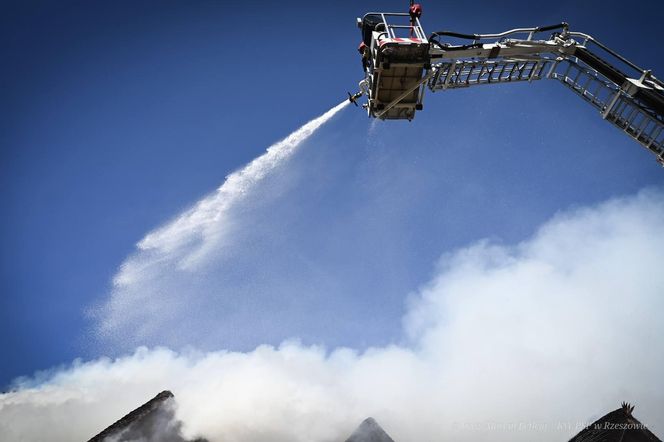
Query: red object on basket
x,y
415,11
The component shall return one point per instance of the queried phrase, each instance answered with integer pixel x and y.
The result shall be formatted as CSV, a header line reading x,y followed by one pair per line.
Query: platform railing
x,y
390,28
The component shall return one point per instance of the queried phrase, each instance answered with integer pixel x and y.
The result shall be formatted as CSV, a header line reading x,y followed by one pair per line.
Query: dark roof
x,y
369,431
153,421
617,426
138,414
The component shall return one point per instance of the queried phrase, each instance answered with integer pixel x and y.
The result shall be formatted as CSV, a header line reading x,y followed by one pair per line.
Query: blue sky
x,y
118,116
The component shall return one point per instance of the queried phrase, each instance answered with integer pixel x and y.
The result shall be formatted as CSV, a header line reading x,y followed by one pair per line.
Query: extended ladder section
x,y
615,104
396,72
630,113
634,105
464,73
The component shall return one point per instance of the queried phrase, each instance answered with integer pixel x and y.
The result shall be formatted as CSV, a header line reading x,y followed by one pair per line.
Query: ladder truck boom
x,y
400,62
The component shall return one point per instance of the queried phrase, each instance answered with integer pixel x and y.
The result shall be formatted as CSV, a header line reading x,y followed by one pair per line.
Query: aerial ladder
x,y
400,62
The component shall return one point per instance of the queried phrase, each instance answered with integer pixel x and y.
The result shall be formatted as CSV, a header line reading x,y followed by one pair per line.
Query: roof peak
x,y
627,408
369,431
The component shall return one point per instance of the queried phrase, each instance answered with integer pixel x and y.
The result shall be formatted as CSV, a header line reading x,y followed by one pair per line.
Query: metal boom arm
x,y
398,69
634,105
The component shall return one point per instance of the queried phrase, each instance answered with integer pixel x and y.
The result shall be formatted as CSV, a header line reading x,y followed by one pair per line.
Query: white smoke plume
x,y
506,343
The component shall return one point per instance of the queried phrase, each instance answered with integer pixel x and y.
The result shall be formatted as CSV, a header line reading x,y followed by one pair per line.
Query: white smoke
x,y
506,343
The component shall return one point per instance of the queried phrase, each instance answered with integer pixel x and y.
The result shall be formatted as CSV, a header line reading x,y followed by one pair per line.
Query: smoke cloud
x,y
514,342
